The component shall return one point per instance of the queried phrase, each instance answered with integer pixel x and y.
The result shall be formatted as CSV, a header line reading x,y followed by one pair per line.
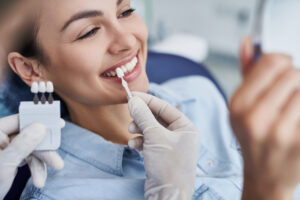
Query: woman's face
x,y
85,41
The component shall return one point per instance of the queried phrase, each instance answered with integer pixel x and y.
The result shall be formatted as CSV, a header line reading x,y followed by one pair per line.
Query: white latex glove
x,y
15,149
170,147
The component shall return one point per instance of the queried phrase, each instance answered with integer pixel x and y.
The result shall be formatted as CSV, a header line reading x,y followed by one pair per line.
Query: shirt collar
x,y
92,148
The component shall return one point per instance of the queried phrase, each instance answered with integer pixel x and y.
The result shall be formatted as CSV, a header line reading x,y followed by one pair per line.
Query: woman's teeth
x,y
127,68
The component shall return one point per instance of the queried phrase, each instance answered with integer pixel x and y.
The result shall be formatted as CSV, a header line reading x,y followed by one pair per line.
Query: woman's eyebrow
x,y
81,15
85,14
119,2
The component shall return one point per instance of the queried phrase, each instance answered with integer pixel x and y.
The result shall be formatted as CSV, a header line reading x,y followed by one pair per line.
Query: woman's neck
x,y
110,122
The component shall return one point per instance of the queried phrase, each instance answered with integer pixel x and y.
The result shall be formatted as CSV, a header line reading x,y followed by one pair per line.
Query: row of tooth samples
x,y
42,88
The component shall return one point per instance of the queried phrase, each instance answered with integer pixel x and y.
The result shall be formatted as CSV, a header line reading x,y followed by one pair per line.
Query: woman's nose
x,y
122,41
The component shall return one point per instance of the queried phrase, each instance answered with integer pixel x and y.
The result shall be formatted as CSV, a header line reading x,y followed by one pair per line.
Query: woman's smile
x,y
131,67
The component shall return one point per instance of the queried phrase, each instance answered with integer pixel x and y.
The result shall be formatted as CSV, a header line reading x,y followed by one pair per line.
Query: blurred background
x,y
206,31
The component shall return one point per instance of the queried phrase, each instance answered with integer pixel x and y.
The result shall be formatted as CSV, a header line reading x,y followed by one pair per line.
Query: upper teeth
x,y
127,68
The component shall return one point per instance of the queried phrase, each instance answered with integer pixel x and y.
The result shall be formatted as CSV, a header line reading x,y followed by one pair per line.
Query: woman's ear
x,y
27,69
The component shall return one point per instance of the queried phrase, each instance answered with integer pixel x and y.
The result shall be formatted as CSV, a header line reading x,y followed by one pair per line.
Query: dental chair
x,y
160,68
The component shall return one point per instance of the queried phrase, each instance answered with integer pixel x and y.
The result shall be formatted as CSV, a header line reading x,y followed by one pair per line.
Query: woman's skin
x,y
77,54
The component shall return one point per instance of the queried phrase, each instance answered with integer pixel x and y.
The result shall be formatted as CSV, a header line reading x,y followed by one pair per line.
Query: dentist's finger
x,y
4,140
62,123
24,143
133,128
172,117
38,171
142,115
136,143
51,158
10,125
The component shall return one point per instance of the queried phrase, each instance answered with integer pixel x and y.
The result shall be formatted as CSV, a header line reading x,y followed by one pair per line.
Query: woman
x,y
16,149
77,45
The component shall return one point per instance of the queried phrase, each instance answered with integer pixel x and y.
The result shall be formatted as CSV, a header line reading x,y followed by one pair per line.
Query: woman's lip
x,y
120,64
128,77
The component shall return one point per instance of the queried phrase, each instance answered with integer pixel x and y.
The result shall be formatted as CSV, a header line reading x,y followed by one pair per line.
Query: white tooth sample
x,y
124,69
50,87
42,87
34,87
108,74
120,72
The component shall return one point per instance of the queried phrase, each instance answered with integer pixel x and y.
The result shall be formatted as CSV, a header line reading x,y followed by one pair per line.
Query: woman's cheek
x,y
82,60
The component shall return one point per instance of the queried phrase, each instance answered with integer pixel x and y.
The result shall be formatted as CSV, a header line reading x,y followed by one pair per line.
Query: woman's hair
x,y
14,90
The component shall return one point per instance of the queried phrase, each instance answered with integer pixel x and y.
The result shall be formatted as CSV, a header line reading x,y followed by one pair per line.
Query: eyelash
x,y
127,13
89,34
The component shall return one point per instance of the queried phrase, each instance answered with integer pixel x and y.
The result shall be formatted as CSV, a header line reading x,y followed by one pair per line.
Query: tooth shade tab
x,y
120,72
35,87
50,87
42,87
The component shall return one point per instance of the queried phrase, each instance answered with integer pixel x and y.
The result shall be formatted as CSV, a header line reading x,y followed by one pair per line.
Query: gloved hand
x,y
170,147
15,149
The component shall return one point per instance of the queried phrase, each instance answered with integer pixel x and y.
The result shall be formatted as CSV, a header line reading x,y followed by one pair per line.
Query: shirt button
x,y
210,163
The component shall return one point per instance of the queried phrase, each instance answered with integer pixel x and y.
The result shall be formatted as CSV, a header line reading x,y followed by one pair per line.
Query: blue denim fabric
x,y
98,169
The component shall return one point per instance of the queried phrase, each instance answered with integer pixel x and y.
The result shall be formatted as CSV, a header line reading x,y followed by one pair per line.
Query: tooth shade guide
x,y
120,74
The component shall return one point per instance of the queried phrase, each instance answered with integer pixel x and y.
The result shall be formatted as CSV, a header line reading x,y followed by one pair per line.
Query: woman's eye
x,y
127,13
89,34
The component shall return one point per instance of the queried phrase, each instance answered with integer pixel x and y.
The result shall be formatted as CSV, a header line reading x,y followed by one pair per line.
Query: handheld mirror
x,y
280,27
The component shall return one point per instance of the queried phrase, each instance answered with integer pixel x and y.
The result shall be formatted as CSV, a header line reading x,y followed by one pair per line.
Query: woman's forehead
x,y
63,8
55,13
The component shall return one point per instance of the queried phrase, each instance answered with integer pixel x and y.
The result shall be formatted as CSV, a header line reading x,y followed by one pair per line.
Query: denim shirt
x,y
98,169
